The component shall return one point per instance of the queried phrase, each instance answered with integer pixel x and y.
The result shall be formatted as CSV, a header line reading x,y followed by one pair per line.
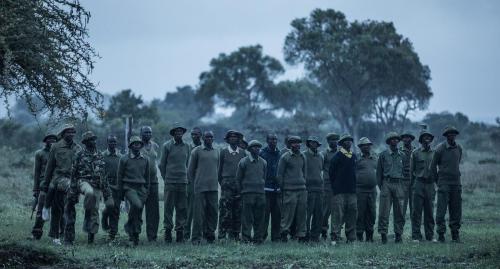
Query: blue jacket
x,y
272,158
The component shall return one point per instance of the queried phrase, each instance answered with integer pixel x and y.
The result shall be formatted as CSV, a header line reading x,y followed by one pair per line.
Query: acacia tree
x,y
354,63
45,55
240,80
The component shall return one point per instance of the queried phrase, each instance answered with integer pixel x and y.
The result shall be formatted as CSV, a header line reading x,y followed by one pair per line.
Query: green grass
x,y
480,234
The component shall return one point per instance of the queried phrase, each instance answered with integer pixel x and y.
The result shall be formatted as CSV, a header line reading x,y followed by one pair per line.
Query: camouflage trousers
x,y
92,196
391,195
229,213
344,211
449,197
424,194
252,216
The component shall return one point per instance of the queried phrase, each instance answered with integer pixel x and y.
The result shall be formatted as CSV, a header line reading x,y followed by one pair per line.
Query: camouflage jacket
x,y
89,166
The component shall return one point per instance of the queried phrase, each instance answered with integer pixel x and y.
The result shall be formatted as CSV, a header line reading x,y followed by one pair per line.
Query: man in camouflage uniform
x,y
173,168
407,148
133,184
292,180
41,157
87,178
314,185
390,182
56,181
196,141
423,186
366,190
271,155
230,199
150,150
332,140
445,169
111,215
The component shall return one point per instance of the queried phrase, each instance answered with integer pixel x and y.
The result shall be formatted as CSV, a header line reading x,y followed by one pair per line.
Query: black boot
x,y
441,238
168,237
284,237
455,237
179,237
90,238
360,237
398,239
324,235
369,236
135,239
384,238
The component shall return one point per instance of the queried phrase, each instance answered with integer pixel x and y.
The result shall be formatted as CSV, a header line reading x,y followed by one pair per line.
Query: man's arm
x,y
380,171
49,170
221,164
37,173
412,167
240,174
281,171
119,176
163,161
193,163
434,163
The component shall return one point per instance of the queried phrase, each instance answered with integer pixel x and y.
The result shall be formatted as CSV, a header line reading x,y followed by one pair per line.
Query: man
x,y
286,148
314,185
271,155
243,144
343,180
133,184
173,168
196,141
250,177
423,186
445,168
332,140
111,215
87,178
150,150
407,148
390,182
366,190
292,180
203,174
41,157
56,181
230,200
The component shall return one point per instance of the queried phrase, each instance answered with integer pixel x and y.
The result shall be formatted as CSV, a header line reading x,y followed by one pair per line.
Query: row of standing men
x,y
298,192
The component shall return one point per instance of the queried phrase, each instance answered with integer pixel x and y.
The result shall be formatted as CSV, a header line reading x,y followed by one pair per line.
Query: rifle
x,y
34,203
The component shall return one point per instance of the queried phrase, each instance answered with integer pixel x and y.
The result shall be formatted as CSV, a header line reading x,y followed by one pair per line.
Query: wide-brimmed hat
x,y
294,138
423,133
135,139
312,139
407,134
392,135
345,137
450,129
87,136
364,141
49,135
233,132
332,136
175,127
254,143
66,127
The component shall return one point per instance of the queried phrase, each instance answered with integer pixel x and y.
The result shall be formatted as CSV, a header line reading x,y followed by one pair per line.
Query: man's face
x,y
69,134
313,145
135,147
365,148
112,142
426,140
272,141
332,143
208,138
233,140
146,133
49,141
295,146
406,140
178,133
393,142
347,144
91,143
196,136
451,137
255,150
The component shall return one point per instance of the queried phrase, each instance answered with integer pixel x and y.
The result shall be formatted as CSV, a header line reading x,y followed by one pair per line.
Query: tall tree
x,y
354,63
45,55
240,79
180,106
127,103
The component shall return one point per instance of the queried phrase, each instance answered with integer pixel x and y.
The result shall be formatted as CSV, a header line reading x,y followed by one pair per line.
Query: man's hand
x,y
45,214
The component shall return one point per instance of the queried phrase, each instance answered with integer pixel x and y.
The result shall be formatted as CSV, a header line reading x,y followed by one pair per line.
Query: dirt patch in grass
x,y
13,256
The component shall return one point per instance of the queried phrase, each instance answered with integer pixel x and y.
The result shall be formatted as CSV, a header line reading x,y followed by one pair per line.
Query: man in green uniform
x,y
286,148
390,182
292,180
133,184
196,141
56,181
173,168
272,155
366,190
150,150
111,215
41,157
407,148
343,180
87,178
332,140
314,185
230,200
250,177
445,168
203,173
424,189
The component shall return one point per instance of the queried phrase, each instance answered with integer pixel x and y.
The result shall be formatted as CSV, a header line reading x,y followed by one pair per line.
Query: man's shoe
x,y
90,238
455,237
384,238
441,238
168,237
398,239
284,237
359,236
179,238
369,237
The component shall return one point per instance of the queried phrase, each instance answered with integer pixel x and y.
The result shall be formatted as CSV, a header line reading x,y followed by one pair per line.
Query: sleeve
x,y
221,164
36,172
434,163
332,170
193,163
412,167
380,171
240,174
304,165
119,176
281,170
265,170
49,170
147,174
163,161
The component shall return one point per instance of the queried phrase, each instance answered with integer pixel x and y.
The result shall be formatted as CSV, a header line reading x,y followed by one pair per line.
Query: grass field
x,y
480,236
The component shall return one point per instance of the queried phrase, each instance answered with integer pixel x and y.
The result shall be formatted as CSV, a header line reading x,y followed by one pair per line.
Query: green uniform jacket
x,y
60,161
251,175
111,161
133,170
366,173
292,171
420,164
389,165
174,161
203,169
327,158
406,160
151,151
89,166
228,163
445,165
314,171
41,157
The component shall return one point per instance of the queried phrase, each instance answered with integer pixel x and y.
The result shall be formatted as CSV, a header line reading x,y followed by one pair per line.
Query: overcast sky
x,y
154,46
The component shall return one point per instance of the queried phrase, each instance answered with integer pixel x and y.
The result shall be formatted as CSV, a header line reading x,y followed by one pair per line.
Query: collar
x,y
177,143
348,154
231,151
268,149
331,150
132,156
448,146
108,153
403,148
312,152
207,148
370,156
252,159
422,149
293,153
